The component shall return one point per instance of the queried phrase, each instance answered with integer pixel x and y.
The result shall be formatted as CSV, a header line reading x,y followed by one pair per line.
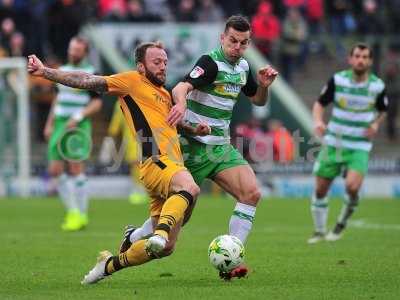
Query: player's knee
x,y
352,190
251,197
55,171
320,192
193,189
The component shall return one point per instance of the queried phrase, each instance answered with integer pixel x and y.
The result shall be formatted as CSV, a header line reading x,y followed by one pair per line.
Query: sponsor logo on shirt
x,y
228,89
196,72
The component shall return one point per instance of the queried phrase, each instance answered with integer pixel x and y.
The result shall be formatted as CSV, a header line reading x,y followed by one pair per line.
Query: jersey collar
x,y
222,54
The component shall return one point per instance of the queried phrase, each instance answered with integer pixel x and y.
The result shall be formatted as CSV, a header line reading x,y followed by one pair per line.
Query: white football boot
x,y
333,237
316,238
336,233
156,244
98,272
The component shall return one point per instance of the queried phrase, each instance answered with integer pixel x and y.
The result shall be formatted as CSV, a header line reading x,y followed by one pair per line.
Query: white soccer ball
x,y
226,252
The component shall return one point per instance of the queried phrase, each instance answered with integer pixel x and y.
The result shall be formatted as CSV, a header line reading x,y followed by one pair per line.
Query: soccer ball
x,y
226,252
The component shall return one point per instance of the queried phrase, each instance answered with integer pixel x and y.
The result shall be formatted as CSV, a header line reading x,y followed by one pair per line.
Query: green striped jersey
x,y
71,100
355,105
217,84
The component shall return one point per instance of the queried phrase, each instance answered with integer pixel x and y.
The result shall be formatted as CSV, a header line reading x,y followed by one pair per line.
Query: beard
x,y
75,60
360,71
154,79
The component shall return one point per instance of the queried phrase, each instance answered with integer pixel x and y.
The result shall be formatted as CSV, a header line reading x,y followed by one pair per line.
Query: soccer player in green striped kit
x,y
359,105
207,96
69,130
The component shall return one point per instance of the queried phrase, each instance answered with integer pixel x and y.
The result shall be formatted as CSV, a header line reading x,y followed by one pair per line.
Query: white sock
x,y
63,188
141,232
66,192
241,221
81,193
319,211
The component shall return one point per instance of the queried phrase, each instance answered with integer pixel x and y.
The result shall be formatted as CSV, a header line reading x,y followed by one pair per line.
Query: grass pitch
x,y
39,261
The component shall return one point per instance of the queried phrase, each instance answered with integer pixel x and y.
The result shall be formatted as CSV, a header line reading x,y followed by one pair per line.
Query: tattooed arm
x,y
75,79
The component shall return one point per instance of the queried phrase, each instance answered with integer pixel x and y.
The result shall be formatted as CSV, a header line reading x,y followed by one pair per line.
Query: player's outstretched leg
x,y
354,181
348,208
240,181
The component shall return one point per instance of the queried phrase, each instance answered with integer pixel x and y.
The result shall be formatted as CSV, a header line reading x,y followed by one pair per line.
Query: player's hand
x,y
372,130
266,75
319,129
72,123
48,130
35,66
176,114
202,129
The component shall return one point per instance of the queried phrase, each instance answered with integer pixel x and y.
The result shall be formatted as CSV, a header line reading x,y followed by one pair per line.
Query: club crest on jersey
x,y
196,72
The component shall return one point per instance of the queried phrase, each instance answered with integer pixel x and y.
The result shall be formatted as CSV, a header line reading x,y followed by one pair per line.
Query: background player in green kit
x,y
359,105
68,131
207,96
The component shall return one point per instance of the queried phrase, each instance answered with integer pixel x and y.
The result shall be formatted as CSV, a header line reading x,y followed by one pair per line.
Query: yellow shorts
x,y
156,174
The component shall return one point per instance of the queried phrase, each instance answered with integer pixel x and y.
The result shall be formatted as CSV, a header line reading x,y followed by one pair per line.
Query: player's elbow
x,y
257,101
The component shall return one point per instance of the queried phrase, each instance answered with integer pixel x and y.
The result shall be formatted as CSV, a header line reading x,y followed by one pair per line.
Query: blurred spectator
x,y
7,30
371,28
6,9
393,12
341,22
186,11
158,10
65,20
266,29
391,74
17,45
39,29
112,10
294,35
231,7
257,146
283,143
135,12
209,11
315,14
299,4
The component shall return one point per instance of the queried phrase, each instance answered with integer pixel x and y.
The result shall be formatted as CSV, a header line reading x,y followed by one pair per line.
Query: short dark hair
x,y
361,46
81,40
140,51
238,22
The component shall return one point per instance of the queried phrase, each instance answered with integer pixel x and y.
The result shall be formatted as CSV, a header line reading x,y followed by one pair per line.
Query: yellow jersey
x,y
146,107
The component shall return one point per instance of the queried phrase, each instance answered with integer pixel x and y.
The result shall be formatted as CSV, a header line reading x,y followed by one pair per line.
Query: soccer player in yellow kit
x,y
146,105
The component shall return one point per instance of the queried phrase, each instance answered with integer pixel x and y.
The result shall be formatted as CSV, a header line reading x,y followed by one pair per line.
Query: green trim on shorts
x,y
206,161
74,145
332,161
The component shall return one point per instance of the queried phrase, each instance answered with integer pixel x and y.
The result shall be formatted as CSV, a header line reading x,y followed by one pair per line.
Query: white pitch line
x,y
363,224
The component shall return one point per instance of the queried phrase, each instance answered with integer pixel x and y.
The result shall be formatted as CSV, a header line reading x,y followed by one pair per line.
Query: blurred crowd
x,y
285,31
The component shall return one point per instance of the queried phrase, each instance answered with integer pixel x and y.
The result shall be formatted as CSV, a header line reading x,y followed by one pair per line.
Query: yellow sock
x,y
172,211
134,256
